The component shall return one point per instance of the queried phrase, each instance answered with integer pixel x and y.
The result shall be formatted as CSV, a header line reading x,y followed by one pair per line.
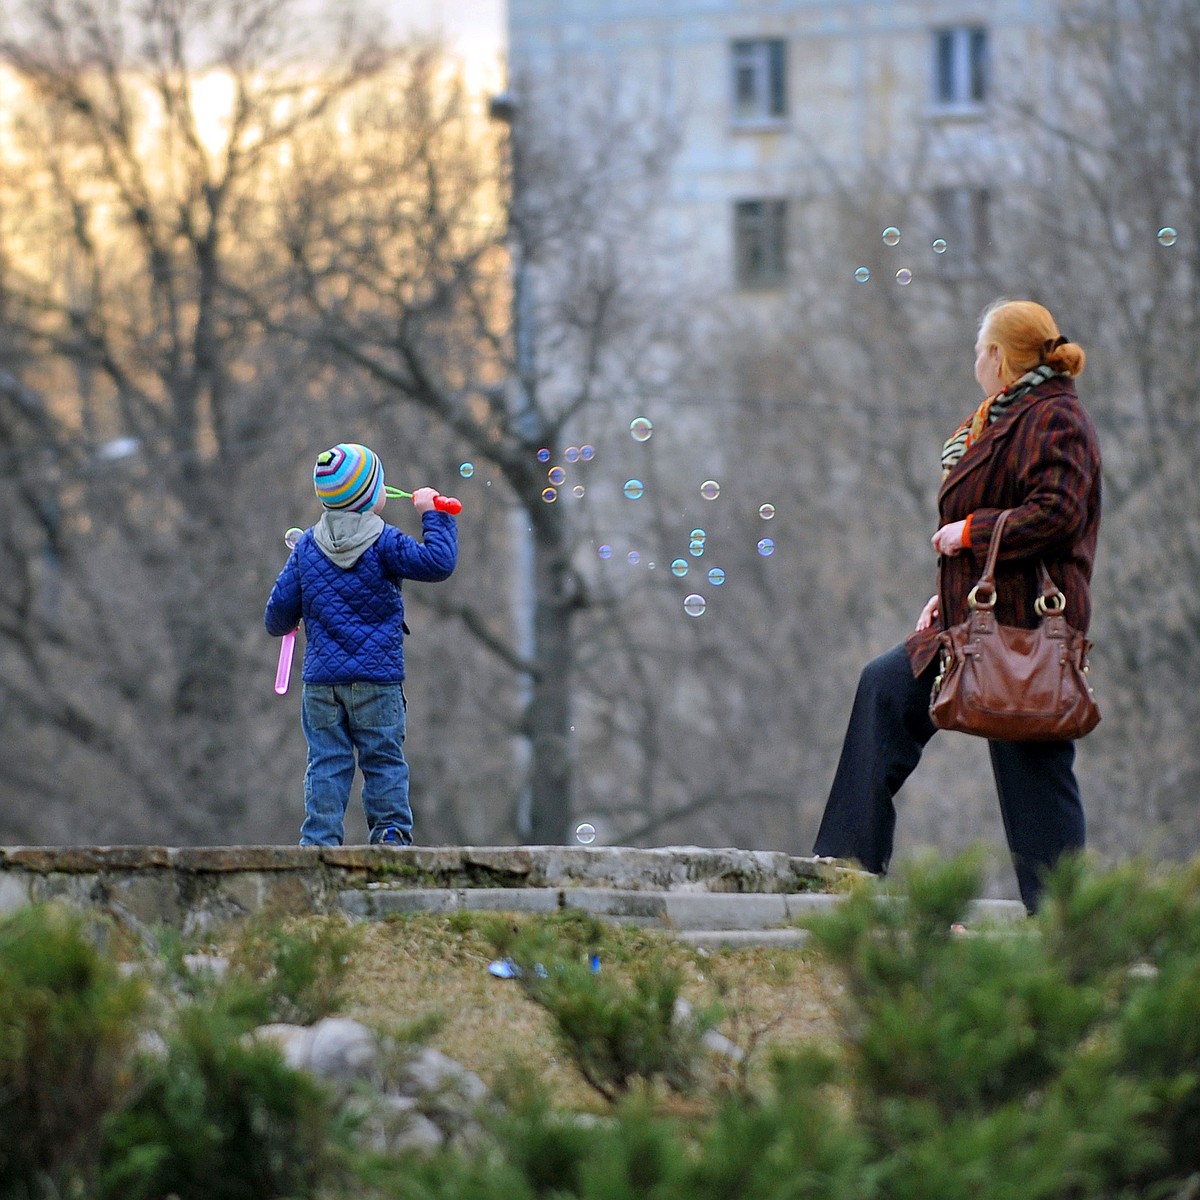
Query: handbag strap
x,y
1049,603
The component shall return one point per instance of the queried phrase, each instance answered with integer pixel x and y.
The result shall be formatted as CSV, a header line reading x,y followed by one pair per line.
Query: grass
x,y
431,972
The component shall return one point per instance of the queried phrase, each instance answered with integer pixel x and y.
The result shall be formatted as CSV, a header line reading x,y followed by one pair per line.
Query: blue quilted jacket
x,y
354,615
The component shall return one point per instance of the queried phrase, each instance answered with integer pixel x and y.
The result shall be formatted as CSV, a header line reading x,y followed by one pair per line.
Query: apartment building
x,y
777,101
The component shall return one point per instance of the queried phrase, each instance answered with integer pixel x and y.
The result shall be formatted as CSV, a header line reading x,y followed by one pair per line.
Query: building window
x,y
961,216
759,80
760,242
960,67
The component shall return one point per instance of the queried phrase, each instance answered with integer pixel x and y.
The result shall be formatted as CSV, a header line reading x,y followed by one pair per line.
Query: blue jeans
x,y
339,720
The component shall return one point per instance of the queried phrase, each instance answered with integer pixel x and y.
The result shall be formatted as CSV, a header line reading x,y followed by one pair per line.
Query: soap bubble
x,y
585,833
292,536
1167,235
891,236
549,495
679,568
694,605
587,453
640,429
939,245
766,547
710,489
577,491
697,535
862,274
543,455
716,576
571,454
696,548
467,470
605,551
556,475
633,489
766,511
904,277
633,557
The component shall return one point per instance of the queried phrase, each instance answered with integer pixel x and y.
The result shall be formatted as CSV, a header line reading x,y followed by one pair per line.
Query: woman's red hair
x,y
1028,336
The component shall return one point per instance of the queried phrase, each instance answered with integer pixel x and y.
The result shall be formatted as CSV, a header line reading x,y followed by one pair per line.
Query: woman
x,y
1029,447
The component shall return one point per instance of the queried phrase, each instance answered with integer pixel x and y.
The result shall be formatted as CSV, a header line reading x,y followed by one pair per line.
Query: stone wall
x,y
198,889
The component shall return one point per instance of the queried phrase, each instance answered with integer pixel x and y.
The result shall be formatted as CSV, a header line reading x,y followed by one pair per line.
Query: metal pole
x,y
505,107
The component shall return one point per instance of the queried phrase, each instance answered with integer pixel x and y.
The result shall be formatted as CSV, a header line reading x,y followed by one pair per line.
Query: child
x,y
343,578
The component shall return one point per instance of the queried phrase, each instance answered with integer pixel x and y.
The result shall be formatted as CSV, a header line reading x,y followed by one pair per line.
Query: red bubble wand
x,y
446,504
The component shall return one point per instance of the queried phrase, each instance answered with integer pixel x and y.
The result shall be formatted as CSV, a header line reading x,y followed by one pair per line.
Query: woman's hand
x,y
929,614
949,539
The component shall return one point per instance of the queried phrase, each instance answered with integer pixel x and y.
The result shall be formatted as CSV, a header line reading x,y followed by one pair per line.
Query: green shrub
x,y
792,1145
220,1117
300,967
1057,1059
616,1032
66,1030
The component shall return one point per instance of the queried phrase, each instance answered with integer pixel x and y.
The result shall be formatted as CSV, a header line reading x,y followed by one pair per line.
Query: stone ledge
x,y
198,888
76,859
667,868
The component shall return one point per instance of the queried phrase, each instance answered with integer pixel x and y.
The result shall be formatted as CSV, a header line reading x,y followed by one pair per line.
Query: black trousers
x,y
890,727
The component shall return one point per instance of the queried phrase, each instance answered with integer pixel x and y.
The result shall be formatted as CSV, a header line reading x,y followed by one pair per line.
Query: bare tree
x,y
1115,226
855,384
406,253
144,416
362,254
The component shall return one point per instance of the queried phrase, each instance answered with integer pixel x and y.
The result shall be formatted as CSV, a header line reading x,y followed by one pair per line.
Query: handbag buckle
x,y
1050,606
973,598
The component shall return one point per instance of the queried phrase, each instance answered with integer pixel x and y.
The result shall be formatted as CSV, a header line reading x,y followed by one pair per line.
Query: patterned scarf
x,y
994,407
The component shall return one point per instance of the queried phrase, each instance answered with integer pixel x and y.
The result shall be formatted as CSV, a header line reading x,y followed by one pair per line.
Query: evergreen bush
x,y
301,967
66,1032
1055,1060
619,1032
218,1116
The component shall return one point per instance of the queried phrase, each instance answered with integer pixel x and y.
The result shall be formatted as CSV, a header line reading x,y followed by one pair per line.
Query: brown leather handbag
x,y
1012,684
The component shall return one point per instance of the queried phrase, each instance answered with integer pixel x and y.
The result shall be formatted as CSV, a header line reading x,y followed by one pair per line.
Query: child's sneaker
x,y
392,837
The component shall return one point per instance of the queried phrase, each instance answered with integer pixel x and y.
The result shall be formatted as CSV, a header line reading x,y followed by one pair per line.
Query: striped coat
x,y
1041,458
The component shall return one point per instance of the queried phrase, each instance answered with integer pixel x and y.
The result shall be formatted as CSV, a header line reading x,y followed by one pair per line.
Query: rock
x,y
343,1051
336,1049
711,1040
211,964
292,1041
419,1104
435,1079
445,1092
393,1124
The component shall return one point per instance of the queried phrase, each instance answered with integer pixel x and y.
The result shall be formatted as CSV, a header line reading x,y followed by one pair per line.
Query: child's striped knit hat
x,y
348,477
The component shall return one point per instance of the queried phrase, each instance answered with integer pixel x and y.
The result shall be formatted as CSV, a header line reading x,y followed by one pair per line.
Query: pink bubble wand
x,y
446,504
287,647
283,672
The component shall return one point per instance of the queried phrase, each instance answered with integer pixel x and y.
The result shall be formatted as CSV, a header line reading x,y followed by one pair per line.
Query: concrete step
x,y
701,918
737,939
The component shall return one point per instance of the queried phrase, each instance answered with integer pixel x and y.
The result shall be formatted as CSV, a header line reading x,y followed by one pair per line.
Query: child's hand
x,y
423,499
